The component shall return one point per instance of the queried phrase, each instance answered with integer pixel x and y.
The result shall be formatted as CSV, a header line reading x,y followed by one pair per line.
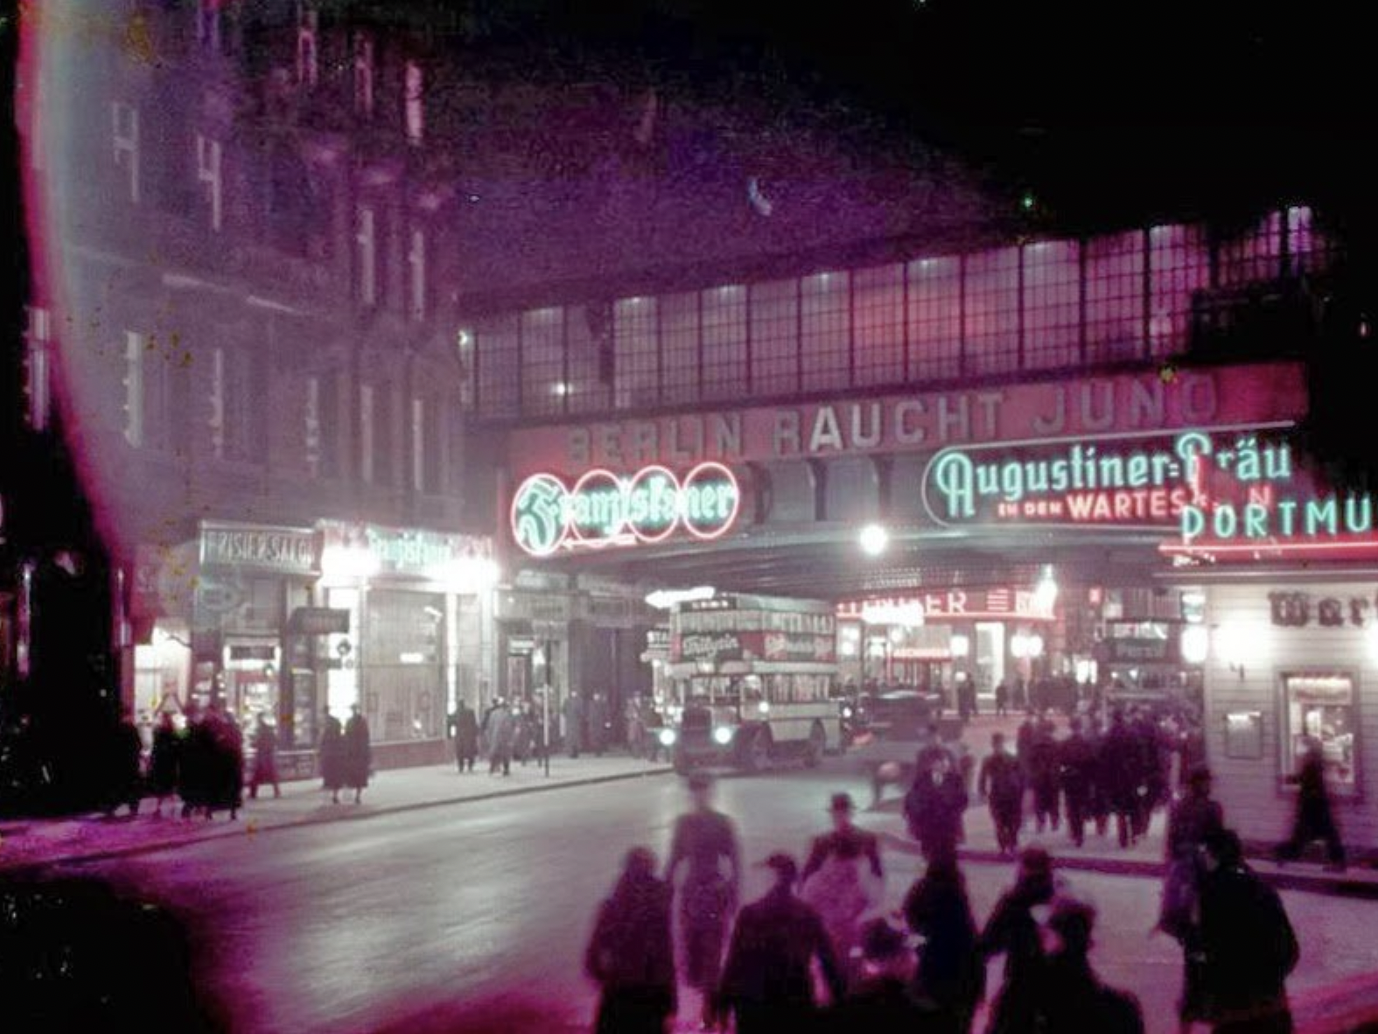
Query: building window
x,y
125,119
164,397
498,367
208,174
38,368
775,337
382,473
724,343
208,17
311,430
363,74
990,314
416,270
367,256
414,103
636,362
418,446
1179,261
427,446
544,388
308,22
1052,305
328,410
133,382
935,319
366,433
1115,298
825,336
589,337
1253,256
245,431
679,343
878,320
1320,707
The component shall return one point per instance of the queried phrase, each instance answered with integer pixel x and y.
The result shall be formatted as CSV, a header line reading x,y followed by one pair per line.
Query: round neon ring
x,y
675,516
689,479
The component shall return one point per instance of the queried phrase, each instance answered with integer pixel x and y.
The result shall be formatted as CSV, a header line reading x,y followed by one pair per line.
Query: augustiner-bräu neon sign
x,y
604,509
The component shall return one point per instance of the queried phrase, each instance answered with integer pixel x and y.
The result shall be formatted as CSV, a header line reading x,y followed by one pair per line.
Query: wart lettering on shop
x,y
1296,609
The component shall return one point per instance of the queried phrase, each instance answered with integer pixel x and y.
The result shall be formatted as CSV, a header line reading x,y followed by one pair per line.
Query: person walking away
x,y
767,982
1001,785
1119,773
162,763
934,808
523,740
125,751
704,843
1149,783
635,716
881,1002
631,953
1247,941
502,733
265,772
843,878
225,762
358,753
598,725
1072,998
574,723
951,974
1043,774
1314,818
1013,931
1097,794
195,762
1002,699
1191,821
332,761
1077,773
464,725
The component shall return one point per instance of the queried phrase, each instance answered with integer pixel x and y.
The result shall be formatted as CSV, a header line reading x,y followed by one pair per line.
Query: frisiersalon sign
x,y
288,550
603,509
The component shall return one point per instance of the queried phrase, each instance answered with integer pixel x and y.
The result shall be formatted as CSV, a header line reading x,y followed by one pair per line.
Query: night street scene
x,y
647,516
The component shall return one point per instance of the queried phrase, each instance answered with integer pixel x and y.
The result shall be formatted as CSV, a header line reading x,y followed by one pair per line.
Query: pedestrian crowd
x,y
819,953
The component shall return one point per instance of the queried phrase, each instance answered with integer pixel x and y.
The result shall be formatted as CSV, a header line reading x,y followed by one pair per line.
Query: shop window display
x,y
1321,707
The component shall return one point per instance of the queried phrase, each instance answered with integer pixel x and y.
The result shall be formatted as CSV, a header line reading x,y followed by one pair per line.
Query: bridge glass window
x,y
825,360
935,318
991,313
878,321
775,337
724,343
1052,304
1114,298
679,343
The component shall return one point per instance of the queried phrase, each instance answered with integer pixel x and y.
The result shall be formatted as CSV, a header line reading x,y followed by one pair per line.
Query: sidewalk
x,y
36,843
1103,854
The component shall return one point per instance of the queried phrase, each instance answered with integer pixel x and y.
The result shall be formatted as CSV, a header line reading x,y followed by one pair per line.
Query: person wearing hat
x,y
1072,998
952,970
631,954
704,844
935,806
881,1003
843,877
767,982
1191,822
1013,931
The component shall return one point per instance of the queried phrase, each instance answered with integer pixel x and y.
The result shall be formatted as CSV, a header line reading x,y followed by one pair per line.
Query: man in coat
x,y
767,981
125,748
332,755
1001,784
464,728
934,808
881,1002
1043,774
598,724
265,758
1314,819
1070,997
502,736
358,753
705,843
574,723
1247,941
1076,761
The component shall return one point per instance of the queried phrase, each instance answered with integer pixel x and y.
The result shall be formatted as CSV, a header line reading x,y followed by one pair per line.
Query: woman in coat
x,y
358,755
332,756
162,766
631,955
952,971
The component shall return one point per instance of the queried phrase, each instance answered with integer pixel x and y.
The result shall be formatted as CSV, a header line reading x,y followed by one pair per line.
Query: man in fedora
x,y
881,1003
768,979
843,878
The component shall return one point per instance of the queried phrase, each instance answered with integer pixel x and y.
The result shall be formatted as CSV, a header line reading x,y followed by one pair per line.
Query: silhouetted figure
x,y
705,843
124,786
332,758
1193,819
631,953
502,735
464,726
1002,699
196,765
842,878
574,723
934,808
598,724
225,774
767,981
1118,771
358,753
1247,941
880,1003
1043,775
952,970
163,761
1076,761
1314,819
265,771
1001,784
1013,931
1072,999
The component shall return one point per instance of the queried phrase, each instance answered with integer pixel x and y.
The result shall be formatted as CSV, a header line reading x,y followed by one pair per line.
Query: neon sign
x,y
604,509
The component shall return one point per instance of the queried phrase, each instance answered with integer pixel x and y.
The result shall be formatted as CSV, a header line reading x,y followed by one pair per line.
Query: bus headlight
x,y
763,707
846,712
666,737
722,735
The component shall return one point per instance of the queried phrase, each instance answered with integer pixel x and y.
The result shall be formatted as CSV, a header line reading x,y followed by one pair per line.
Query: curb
x,y
1333,886
225,831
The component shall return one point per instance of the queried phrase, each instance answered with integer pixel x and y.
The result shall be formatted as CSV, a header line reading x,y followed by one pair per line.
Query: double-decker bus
x,y
754,679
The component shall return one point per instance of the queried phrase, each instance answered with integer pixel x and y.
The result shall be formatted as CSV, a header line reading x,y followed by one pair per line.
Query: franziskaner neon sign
x,y
604,509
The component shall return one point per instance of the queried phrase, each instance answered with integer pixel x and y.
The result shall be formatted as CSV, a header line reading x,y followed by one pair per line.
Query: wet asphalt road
x,y
429,920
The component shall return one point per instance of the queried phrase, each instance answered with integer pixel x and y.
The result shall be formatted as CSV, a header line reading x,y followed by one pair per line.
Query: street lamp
x,y
874,539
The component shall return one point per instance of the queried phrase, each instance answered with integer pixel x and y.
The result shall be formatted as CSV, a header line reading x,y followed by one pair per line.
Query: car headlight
x,y
763,707
722,735
846,712
666,737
